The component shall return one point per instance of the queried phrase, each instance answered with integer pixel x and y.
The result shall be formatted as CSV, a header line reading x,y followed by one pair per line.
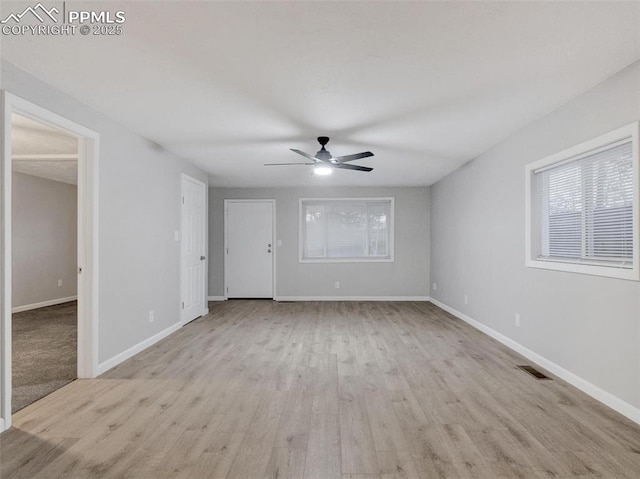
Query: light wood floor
x,y
260,390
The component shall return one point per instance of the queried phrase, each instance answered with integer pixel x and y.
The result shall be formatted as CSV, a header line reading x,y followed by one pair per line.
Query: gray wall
x,y
408,275
44,239
586,324
139,210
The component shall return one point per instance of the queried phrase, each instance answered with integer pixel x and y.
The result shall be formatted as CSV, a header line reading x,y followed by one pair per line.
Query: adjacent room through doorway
x,y
44,259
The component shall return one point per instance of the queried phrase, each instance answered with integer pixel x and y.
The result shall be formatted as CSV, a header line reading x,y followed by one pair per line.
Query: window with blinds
x,y
583,207
346,229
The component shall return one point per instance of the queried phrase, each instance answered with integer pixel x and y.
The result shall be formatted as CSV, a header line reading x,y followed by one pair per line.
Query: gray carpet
x,y
44,352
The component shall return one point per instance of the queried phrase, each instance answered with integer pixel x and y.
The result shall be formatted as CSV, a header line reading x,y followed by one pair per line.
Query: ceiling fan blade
x,y
353,167
357,156
306,155
283,164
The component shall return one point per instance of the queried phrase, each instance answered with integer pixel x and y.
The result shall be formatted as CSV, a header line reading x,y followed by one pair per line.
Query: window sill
x,y
347,260
630,274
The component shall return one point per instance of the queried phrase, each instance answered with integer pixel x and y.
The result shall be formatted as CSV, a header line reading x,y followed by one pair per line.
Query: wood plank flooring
x,y
266,390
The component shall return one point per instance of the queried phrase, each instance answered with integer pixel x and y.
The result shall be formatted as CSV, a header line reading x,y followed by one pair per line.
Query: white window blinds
x,y
346,229
585,207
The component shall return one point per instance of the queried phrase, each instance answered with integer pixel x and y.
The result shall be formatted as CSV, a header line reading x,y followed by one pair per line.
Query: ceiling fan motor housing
x,y
323,154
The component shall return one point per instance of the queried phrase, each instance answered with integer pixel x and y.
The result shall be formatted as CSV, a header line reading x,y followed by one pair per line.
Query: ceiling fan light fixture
x,y
322,170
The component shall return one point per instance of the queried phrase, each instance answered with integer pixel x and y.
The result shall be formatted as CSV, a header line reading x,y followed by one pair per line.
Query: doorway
x,y
86,265
249,248
44,259
193,249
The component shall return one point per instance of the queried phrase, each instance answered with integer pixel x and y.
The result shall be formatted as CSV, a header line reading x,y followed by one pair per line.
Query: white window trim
x,y
390,259
629,131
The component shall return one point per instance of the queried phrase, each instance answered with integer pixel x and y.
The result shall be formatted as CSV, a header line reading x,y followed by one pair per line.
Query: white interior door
x,y
249,248
193,249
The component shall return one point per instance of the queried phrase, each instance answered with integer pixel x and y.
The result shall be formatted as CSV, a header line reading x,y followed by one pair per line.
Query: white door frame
x,y
273,241
205,224
88,153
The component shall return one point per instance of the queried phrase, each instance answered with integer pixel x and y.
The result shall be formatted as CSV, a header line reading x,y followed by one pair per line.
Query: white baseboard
x,y
50,302
216,298
614,402
132,351
351,298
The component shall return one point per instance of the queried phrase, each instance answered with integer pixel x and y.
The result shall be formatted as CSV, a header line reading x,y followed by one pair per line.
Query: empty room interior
x,y
330,240
44,201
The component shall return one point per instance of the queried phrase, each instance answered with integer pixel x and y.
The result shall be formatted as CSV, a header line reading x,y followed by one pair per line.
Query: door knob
x,y
269,245
202,258
269,251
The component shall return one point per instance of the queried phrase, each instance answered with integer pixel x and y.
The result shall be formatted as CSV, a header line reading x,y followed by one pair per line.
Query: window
x,y
346,229
582,207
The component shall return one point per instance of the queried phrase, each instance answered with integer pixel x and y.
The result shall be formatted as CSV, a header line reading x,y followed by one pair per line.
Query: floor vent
x,y
534,372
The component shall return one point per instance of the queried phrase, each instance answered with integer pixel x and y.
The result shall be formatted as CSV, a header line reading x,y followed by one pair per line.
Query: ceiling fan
x,y
324,163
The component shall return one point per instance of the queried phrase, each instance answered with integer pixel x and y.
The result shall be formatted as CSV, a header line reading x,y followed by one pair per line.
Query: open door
x,y
88,151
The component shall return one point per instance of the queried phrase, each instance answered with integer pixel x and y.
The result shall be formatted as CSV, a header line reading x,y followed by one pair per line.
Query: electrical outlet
x,y
466,299
59,283
435,286
151,316
337,285
517,320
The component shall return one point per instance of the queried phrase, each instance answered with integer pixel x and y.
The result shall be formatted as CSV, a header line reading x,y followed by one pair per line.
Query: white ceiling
x,y
426,86
31,137
61,171
40,150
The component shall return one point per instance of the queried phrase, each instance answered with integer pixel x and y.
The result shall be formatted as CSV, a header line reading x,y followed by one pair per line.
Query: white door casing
x,y
249,248
88,154
193,249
